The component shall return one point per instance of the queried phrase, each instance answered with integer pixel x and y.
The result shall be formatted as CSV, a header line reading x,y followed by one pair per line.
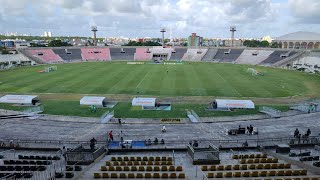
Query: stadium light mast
x,y
232,29
94,29
163,30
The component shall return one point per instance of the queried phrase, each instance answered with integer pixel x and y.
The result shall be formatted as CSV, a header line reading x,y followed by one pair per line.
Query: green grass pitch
x,y
188,79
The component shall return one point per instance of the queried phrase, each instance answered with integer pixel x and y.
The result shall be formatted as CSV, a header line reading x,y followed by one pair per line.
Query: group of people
x,y
194,143
156,141
304,137
249,130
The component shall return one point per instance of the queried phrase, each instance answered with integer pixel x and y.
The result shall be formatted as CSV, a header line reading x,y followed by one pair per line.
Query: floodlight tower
x,y
163,30
232,29
94,29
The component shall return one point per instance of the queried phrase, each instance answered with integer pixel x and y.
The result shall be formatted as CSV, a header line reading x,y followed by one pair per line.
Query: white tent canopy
x,y
93,100
143,102
19,99
233,104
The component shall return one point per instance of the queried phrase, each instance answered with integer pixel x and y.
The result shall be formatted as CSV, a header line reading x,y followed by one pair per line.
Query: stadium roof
x,y
300,36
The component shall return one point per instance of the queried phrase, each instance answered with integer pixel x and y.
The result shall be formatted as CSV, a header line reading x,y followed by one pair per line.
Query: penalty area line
x,y
143,79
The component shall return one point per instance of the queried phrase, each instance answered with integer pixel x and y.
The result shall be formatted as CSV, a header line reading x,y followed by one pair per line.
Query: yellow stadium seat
x,y
136,163
259,166
295,172
129,163
256,160
145,158
148,176
264,156
235,156
156,168
134,168
263,160
131,175
236,174
156,175
114,175
228,174
280,173
96,175
258,156
126,168
113,158
149,168
182,176
281,166
139,158
219,175
151,158
275,160
123,175
220,167
141,168
244,167
123,163
150,163
245,174
272,173
119,158
163,158
105,175
251,156
169,159
116,163
103,168
252,166
274,166
228,167
288,173
269,160
118,168
173,175
108,163
111,168
263,173
139,175
254,174
143,163
172,168
157,163
164,168
267,166
243,161
236,167
210,175
158,159
179,168
204,168
246,156
164,176
169,163
126,158
287,166
212,168
303,172
163,163
132,158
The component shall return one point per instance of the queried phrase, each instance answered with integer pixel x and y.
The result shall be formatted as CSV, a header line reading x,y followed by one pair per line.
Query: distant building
x,y
236,42
194,40
21,44
47,34
299,40
7,44
267,38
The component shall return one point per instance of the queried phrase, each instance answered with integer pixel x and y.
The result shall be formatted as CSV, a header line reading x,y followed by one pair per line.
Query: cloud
x,y
306,11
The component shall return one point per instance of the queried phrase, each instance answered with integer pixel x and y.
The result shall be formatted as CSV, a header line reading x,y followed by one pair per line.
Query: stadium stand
x,y
142,54
98,54
194,54
253,56
222,56
159,53
69,54
46,55
122,53
210,54
276,56
178,53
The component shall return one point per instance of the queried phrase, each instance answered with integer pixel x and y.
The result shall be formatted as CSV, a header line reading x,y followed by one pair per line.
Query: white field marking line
x,y
143,79
226,81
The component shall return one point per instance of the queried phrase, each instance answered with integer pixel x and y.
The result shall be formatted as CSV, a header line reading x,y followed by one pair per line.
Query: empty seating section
x,y
222,56
46,55
178,53
253,56
276,57
122,54
255,165
97,54
210,54
69,54
142,54
194,54
140,167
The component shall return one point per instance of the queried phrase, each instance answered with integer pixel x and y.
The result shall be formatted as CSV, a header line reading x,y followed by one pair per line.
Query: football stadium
x,y
162,112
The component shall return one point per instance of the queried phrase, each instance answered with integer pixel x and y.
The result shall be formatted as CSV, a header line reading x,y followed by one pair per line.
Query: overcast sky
x,y
144,18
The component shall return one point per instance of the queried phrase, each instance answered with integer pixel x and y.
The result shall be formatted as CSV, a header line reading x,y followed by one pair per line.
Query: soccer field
x,y
188,79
